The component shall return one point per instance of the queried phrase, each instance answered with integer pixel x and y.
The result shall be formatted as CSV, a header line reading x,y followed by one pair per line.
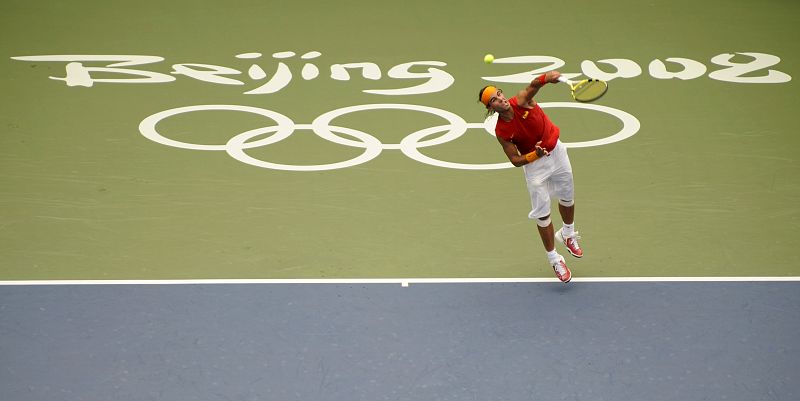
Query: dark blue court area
x,y
371,342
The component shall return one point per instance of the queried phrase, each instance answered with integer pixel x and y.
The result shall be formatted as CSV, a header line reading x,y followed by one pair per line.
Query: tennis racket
x,y
587,90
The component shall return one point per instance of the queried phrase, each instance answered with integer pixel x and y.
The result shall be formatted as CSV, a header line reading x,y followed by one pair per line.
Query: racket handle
x,y
564,80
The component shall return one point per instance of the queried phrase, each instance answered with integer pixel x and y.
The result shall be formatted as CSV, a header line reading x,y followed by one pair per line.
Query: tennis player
x,y
531,140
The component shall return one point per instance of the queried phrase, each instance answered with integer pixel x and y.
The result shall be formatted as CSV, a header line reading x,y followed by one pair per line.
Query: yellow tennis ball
x,y
488,59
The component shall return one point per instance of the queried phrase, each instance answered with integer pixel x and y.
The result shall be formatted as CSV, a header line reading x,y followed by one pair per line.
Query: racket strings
x,y
589,90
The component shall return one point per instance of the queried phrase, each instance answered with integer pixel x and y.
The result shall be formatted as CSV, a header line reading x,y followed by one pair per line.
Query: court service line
x,y
402,281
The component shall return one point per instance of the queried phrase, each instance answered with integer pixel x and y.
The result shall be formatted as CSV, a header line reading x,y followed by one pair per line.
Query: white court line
x,y
405,282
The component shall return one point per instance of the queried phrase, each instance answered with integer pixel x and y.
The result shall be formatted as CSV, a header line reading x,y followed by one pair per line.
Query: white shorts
x,y
549,176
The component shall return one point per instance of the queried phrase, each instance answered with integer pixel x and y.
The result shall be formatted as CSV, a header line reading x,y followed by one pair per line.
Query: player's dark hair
x,y
480,94
489,110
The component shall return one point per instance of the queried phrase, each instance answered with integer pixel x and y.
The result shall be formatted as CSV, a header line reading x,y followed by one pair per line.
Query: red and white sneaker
x,y
561,270
570,242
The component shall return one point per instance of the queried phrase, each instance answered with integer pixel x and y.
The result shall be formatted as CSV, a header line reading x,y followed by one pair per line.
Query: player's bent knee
x,y
566,203
543,221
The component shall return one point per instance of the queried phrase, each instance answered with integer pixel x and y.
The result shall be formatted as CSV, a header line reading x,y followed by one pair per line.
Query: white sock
x,y
568,229
552,256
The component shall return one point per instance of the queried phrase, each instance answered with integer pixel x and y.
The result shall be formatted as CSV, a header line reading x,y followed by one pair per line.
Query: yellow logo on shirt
x,y
525,116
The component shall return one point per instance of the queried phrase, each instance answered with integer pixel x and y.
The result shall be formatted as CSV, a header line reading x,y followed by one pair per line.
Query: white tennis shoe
x,y
561,269
571,242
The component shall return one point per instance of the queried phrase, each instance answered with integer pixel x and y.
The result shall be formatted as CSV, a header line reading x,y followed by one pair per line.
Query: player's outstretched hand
x,y
540,151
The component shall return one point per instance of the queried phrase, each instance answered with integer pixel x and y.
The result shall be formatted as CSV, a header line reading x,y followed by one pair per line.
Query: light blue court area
x,y
370,342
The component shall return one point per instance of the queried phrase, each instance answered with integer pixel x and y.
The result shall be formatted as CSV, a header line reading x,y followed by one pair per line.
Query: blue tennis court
x,y
460,341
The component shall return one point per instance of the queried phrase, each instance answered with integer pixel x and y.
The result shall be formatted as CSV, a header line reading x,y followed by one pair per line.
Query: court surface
x,y
500,341
298,163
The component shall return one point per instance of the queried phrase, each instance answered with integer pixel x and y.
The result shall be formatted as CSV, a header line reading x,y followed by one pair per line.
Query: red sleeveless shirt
x,y
528,127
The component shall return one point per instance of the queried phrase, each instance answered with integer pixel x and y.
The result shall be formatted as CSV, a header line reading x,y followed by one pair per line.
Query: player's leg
x,y
545,227
567,212
563,187
567,235
547,233
537,179
540,212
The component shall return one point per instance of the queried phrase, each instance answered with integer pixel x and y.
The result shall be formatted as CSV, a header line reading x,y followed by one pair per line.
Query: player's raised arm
x,y
525,96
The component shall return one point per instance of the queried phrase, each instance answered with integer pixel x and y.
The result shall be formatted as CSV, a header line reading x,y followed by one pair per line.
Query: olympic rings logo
x,y
321,126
